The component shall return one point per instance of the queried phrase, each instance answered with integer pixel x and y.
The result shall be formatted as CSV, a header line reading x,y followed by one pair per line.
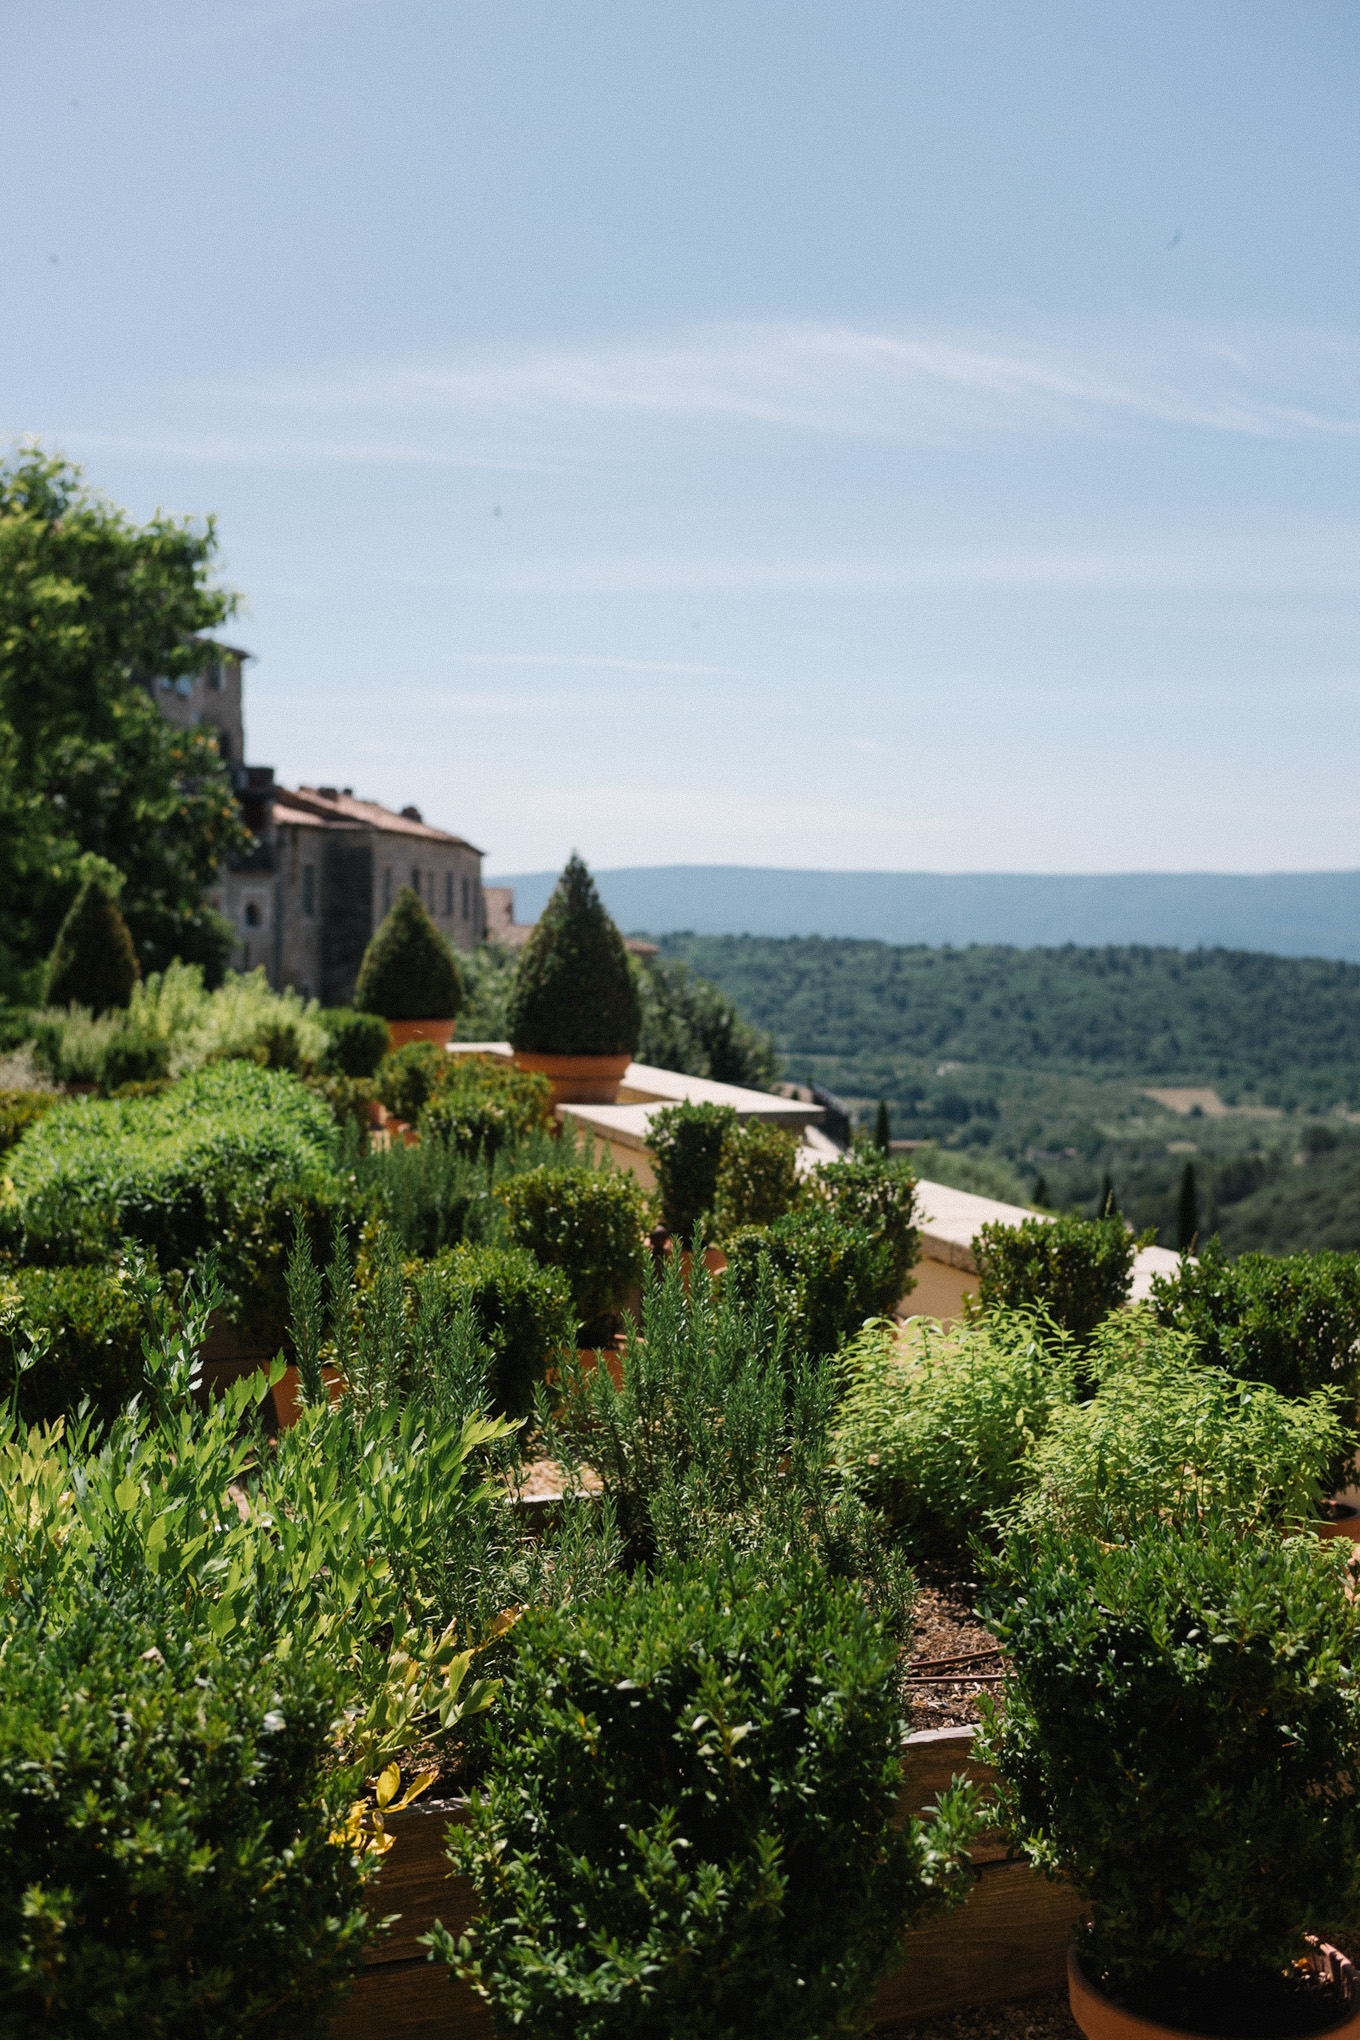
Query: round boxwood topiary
x,y
573,992
409,972
93,962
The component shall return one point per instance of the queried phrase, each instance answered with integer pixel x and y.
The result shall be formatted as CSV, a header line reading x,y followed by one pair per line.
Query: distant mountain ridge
x,y
1306,913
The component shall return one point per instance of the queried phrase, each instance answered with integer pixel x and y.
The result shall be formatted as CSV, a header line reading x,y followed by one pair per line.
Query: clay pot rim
x,y
1109,2021
550,1064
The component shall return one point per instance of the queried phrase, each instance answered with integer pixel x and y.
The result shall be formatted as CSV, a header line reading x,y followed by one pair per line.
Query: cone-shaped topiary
x,y
93,962
409,972
573,992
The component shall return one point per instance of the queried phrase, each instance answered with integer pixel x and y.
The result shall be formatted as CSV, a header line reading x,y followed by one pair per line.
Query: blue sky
x,y
850,435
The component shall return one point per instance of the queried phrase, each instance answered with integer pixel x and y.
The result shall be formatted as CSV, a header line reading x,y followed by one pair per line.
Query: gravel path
x,y
1034,2018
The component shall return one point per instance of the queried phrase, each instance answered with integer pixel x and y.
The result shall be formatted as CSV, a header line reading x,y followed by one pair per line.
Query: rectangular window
x,y
448,895
415,881
387,890
309,888
216,669
465,896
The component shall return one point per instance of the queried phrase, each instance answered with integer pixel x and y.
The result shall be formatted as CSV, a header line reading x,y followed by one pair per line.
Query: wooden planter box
x,y
1009,1940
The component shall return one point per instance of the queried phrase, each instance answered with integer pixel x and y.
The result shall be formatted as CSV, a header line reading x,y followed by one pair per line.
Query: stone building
x,y
323,867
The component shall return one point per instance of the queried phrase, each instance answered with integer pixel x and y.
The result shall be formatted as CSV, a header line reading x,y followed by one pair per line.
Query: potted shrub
x,y
409,976
1180,1738
589,1223
573,1012
685,1143
758,1179
688,1823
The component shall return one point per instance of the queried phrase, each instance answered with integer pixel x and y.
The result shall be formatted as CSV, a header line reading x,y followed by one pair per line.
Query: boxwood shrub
x,y
757,1176
481,1106
829,1275
1179,1738
587,1222
170,1171
1290,1319
523,1314
356,1042
409,971
685,1143
688,1827
879,1194
407,1076
89,1325
573,992
1076,1269
166,1803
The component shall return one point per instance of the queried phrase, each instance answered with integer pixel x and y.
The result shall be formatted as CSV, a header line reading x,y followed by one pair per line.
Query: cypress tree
x,y
1187,1211
1040,1192
883,1128
93,962
1109,1203
409,972
573,992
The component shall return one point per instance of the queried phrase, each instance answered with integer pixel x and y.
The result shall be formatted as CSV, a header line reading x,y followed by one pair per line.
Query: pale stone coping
x,y
950,1219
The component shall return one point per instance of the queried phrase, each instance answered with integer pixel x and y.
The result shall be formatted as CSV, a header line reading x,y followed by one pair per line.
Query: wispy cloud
x,y
925,383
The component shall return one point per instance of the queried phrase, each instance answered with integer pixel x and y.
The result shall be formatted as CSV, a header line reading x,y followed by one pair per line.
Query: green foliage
x,y
828,1274
488,973
178,1173
483,1106
522,1314
409,971
1146,1012
1187,1212
587,1222
714,1441
1179,1739
691,1026
984,1175
873,1191
935,1427
757,1176
1293,1322
1166,1440
18,1111
883,1128
93,962
574,993
94,608
67,1334
685,1143
688,1828
167,1802
407,1076
1077,1270
357,1042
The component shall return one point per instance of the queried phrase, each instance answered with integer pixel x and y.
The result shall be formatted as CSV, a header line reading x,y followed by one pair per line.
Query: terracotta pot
x,y
577,1079
591,1356
403,1032
1099,2019
288,1406
1341,1520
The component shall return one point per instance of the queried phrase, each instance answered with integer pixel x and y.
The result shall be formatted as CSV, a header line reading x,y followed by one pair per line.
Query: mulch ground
x,y
1036,2018
953,1661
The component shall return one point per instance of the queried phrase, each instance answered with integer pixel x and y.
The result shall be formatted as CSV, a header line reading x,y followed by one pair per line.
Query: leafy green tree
x,y
93,608
92,962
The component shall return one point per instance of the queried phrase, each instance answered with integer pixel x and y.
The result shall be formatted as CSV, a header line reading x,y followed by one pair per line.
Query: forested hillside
x,y
1029,1069
1208,1016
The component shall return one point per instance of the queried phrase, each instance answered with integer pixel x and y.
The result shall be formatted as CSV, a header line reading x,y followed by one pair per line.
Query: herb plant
x,y
1292,1320
587,1222
758,1178
1077,1270
685,1143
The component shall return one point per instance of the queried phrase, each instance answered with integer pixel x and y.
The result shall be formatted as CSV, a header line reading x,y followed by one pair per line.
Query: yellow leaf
x,y
415,1788
499,1624
389,1782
